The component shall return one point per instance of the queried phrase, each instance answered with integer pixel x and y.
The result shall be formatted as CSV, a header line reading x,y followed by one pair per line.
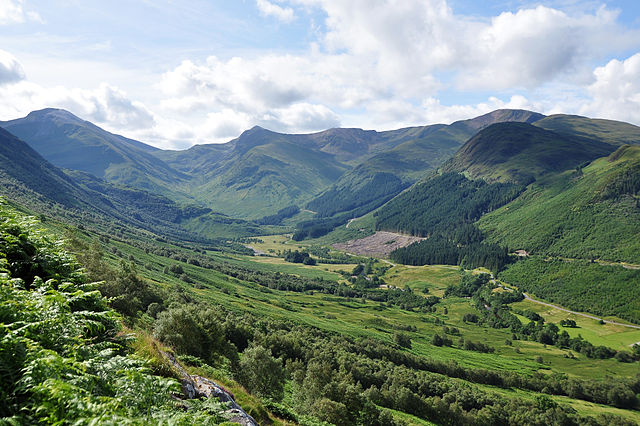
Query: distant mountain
x,y
261,171
421,150
345,172
613,132
69,142
256,174
521,153
25,174
82,198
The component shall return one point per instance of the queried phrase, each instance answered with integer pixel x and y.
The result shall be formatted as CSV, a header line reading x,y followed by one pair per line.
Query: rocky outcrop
x,y
201,387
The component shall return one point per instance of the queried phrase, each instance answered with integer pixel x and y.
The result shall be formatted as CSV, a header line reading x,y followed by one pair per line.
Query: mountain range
x,y
261,169
326,178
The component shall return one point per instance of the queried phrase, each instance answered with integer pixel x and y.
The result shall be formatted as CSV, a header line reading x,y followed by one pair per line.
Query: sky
x,y
176,73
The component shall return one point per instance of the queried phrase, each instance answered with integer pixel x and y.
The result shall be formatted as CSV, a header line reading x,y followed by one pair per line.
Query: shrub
x,y
261,373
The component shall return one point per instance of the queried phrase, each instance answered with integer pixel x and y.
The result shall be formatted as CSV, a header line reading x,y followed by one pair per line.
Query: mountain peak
x,y
55,114
501,116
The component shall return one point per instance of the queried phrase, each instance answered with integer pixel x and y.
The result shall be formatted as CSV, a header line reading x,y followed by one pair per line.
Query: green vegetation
x,y
367,195
299,257
69,142
521,153
496,313
444,208
303,334
602,289
587,213
276,219
442,205
63,359
613,132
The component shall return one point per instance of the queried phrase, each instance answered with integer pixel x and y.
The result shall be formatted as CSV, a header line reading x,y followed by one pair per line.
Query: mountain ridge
x,y
521,152
269,169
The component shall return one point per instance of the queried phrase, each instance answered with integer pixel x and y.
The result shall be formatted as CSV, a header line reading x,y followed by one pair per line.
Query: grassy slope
x,y
564,215
580,285
67,141
267,177
368,319
521,152
614,132
28,178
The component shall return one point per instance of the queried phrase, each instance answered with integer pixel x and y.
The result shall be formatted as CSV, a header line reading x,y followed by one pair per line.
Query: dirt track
x,y
379,244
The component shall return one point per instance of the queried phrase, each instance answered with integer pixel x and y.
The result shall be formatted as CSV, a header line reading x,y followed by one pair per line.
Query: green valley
x,y
119,295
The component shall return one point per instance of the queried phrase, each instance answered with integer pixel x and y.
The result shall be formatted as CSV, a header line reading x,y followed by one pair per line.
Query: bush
x,y
261,373
402,339
192,330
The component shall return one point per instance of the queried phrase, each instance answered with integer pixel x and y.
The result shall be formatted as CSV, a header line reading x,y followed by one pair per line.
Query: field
x,y
614,336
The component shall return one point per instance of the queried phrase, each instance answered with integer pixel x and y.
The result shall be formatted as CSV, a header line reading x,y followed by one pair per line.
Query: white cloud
x,y
10,69
301,117
224,125
106,106
414,39
536,46
616,90
284,14
379,64
12,12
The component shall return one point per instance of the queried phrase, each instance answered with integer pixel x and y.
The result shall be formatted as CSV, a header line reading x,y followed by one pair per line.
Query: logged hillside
x,y
588,213
520,152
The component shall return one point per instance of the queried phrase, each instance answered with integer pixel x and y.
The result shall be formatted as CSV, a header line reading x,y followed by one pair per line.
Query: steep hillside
x,y
70,142
613,132
28,177
521,152
422,150
489,171
80,197
588,213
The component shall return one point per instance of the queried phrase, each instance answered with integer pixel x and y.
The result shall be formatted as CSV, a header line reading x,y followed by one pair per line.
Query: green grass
x,y
359,228
579,285
613,336
565,215
518,152
613,132
583,407
355,318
